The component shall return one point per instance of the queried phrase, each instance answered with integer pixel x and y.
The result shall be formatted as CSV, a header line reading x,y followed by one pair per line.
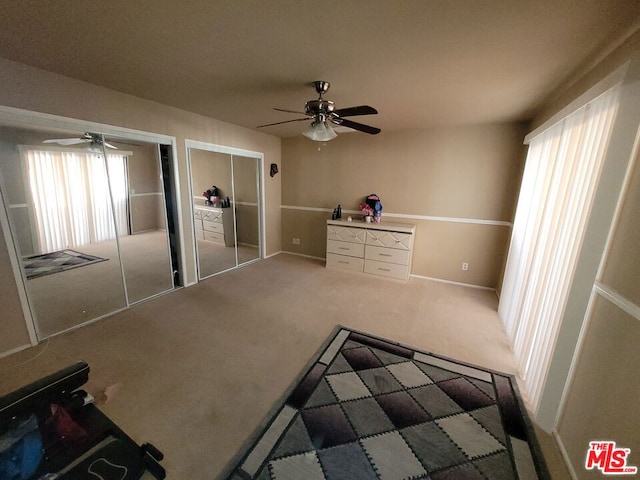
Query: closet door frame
x,y
30,119
232,151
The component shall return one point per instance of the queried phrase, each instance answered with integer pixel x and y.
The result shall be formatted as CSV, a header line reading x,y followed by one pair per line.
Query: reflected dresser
x,y
214,224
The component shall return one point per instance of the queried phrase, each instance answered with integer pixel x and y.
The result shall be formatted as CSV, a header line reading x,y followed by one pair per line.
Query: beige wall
x,y
210,169
622,272
32,89
606,382
463,173
593,71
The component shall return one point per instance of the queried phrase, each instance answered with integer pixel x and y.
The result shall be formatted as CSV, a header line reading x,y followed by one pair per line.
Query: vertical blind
x,y
560,178
71,199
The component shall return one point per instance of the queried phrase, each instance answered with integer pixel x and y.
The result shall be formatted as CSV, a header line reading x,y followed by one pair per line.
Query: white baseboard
x,y
565,455
441,280
303,255
451,282
15,350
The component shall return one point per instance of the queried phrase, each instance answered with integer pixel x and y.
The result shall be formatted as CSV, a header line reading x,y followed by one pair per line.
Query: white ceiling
x,y
421,63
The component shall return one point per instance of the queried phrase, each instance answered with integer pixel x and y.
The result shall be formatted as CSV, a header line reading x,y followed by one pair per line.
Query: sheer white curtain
x,y
561,174
117,165
71,201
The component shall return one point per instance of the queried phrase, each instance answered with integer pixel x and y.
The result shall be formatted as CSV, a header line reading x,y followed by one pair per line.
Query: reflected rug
x,y
54,262
368,408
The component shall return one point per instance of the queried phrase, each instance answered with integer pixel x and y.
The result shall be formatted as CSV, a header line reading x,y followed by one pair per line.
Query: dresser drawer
x,y
214,237
389,255
345,248
211,216
212,226
399,240
387,269
346,234
345,263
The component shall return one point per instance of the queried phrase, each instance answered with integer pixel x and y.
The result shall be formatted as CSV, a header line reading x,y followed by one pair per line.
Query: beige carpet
x,y
72,297
196,371
214,258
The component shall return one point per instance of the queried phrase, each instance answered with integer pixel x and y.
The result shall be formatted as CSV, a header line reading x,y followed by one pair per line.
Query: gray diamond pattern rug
x,y
54,262
368,408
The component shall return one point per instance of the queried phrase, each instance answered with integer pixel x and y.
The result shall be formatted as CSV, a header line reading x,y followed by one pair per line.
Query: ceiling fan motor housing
x,y
318,107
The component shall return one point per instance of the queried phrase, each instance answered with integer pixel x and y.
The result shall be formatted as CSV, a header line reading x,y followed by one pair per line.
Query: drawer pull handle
x,y
342,261
385,255
344,248
384,269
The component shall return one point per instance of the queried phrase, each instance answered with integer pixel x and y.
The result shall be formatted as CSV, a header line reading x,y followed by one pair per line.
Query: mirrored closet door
x,y
227,209
88,221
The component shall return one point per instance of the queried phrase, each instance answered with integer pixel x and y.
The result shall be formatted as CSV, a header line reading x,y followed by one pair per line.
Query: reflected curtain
x,y
71,201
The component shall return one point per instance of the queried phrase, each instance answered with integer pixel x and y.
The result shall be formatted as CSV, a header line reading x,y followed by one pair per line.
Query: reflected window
x,y
71,201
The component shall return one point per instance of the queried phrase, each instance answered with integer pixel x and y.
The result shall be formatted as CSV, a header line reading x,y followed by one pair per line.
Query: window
x,y
559,182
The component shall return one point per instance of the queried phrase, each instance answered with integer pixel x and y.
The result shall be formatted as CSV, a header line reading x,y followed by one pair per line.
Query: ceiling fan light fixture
x,y
320,131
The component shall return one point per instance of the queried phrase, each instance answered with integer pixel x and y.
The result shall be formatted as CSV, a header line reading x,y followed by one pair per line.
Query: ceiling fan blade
x,y
356,126
286,121
108,145
67,141
288,111
353,111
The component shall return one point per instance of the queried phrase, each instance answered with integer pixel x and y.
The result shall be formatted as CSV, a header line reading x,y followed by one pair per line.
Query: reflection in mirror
x,y
226,208
62,223
213,220
88,223
142,224
246,187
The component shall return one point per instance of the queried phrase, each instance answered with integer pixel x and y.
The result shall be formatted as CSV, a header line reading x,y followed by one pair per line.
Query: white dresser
x,y
214,224
377,248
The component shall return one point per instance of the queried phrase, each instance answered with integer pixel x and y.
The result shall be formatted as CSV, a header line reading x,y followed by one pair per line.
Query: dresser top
x,y
396,227
207,207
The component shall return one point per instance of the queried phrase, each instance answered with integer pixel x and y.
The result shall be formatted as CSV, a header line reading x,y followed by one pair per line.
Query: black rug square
x,y
435,401
328,426
401,409
361,358
465,393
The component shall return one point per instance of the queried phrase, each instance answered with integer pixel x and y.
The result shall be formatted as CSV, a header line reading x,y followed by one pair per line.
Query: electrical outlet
x,y
296,241
465,266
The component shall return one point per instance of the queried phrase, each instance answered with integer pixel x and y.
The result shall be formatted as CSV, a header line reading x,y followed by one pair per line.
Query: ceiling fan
x,y
324,114
93,138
